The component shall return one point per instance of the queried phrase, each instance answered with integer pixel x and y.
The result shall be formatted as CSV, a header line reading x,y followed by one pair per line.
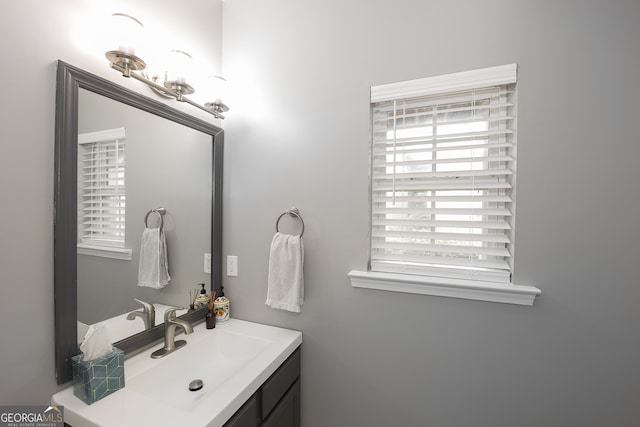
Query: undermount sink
x,y
223,355
232,360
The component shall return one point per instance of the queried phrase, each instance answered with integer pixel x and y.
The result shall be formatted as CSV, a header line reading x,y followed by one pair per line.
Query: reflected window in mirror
x,y
102,194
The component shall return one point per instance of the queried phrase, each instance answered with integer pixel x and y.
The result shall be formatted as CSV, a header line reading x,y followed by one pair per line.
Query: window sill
x,y
105,252
455,288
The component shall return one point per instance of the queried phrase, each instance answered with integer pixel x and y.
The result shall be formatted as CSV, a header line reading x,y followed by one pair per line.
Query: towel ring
x,y
160,212
292,212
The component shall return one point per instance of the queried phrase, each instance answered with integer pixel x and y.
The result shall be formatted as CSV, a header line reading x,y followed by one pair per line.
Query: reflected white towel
x,y
153,270
286,285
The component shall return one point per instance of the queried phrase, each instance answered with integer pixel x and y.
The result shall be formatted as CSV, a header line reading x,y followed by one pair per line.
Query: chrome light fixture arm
x,y
126,64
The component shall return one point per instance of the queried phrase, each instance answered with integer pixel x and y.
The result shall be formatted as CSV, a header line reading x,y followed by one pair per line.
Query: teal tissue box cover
x,y
95,379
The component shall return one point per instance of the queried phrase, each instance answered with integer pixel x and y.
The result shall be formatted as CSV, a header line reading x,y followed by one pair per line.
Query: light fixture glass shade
x,y
179,66
218,89
127,33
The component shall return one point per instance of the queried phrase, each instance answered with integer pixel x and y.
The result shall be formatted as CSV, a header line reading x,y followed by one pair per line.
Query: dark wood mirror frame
x,y
69,80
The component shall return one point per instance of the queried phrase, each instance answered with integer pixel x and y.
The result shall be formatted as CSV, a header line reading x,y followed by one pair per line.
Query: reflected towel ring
x,y
160,212
292,212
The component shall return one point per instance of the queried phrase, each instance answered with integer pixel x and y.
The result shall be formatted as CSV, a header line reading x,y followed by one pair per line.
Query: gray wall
x,y
37,33
298,135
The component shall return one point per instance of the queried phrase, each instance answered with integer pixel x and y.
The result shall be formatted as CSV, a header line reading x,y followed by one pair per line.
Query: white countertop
x,y
233,360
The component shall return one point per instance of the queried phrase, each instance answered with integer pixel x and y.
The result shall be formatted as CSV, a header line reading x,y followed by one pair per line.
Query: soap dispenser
x,y
221,307
202,299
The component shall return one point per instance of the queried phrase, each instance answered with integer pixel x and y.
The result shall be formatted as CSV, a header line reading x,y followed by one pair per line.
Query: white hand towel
x,y
153,270
286,285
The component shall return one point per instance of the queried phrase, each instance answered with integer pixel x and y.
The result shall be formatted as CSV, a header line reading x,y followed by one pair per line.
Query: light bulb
x,y
179,66
127,32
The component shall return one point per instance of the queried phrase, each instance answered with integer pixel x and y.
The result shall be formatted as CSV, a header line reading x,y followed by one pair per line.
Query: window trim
x,y
507,293
125,254
465,80
500,292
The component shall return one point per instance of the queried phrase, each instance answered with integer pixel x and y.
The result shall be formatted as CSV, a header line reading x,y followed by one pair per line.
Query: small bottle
x,y
211,319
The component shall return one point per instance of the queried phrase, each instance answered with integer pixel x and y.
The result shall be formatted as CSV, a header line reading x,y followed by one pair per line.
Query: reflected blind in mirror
x,y
101,186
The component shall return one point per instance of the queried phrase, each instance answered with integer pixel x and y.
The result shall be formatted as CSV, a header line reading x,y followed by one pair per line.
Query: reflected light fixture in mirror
x,y
128,32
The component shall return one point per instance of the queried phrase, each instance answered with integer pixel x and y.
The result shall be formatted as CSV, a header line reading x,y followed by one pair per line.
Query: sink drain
x,y
196,385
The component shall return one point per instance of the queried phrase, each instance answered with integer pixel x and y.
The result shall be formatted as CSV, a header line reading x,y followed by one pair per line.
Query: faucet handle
x,y
148,307
170,313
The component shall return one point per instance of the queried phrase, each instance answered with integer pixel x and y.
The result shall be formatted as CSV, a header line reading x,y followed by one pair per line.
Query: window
x,y
443,178
101,194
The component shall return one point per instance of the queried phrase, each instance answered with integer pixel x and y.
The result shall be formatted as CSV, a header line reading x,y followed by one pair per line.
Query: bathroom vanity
x,y
250,374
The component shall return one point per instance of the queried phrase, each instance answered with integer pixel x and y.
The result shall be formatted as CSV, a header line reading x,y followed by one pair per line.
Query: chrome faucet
x,y
148,314
170,325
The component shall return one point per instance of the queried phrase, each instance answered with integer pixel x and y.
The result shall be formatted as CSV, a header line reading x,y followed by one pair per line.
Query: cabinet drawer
x,y
277,385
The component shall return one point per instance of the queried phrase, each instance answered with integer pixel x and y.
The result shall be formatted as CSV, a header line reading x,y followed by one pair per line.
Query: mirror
x,y
159,163
176,164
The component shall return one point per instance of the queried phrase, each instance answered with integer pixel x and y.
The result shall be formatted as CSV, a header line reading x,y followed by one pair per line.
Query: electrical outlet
x,y
207,263
232,265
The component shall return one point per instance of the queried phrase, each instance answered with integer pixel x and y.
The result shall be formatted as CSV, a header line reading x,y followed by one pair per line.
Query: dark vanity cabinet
x,y
277,402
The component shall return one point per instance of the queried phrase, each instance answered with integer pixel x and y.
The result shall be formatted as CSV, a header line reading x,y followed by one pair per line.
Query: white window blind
x,y
101,186
443,176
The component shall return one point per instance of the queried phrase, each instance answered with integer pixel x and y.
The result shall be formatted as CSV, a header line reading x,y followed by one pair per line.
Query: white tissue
x,y
96,342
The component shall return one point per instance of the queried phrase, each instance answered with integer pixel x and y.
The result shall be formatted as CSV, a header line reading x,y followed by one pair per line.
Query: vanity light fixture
x,y
174,83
